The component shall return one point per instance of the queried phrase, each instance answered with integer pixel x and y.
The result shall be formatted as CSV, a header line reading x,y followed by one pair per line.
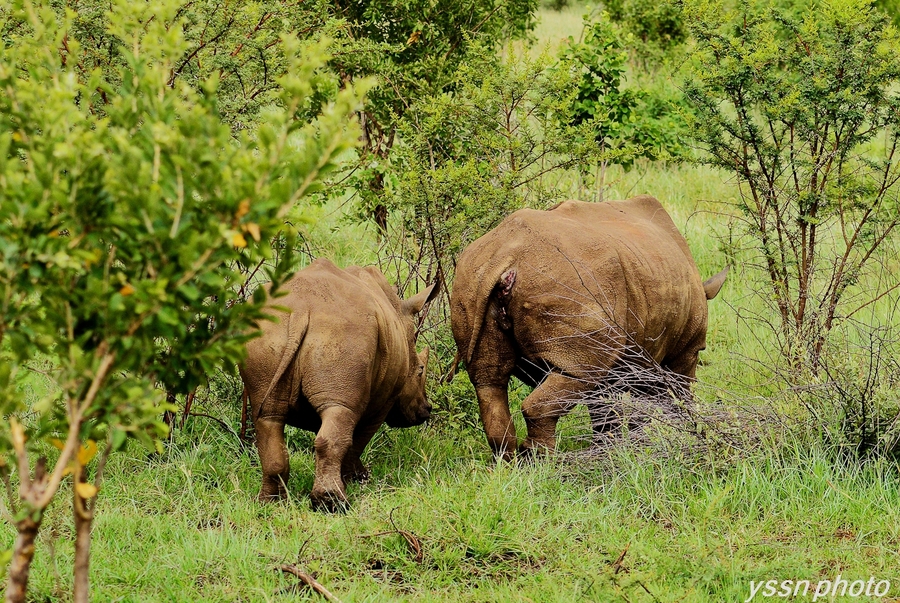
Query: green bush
x,y
468,158
657,27
128,213
627,122
803,112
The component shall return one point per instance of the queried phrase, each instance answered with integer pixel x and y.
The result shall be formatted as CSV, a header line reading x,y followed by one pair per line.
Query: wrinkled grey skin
x,y
339,363
561,297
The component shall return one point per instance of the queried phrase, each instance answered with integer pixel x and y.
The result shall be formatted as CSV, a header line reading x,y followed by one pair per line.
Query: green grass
x,y
554,27
184,526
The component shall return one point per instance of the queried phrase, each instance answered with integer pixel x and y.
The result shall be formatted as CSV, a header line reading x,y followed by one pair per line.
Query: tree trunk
x,y
23,553
84,517
169,415
377,142
81,592
188,403
379,212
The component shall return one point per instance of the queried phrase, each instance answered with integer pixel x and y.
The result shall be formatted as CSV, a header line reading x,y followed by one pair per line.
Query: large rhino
x,y
339,363
560,298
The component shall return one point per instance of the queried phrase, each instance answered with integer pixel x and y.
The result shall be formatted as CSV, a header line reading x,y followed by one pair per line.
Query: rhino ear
x,y
414,304
714,283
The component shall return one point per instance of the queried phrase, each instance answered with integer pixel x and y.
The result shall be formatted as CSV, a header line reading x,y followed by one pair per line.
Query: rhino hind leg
x,y
493,405
604,418
332,444
273,456
542,409
489,369
353,470
610,421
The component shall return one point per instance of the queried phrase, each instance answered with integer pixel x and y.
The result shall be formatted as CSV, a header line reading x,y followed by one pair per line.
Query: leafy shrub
x,y
127,214
627,122
468,158
803,111
858,401
657,26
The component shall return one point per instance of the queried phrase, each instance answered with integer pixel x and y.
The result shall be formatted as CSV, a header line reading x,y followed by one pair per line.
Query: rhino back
x,y
352,352
589,269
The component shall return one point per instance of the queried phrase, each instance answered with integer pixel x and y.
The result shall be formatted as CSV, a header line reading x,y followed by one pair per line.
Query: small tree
x,y
469,158
126,210
627,122
238,41
413,48
804,111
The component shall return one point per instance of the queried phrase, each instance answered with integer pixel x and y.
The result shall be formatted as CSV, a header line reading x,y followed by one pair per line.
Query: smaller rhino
x,y
340,362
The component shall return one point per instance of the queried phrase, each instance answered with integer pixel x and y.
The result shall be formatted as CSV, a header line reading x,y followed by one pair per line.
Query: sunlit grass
x,y
555,27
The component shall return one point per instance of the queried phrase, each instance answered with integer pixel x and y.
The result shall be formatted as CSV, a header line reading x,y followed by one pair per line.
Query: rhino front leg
x,y
542,409
332,443
273,457
684,370
352,469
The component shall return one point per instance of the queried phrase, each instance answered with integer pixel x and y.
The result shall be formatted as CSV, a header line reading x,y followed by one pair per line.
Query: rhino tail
x,y
500,277
296,328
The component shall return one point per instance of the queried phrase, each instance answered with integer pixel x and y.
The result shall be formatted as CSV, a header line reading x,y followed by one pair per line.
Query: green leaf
x,y
117,438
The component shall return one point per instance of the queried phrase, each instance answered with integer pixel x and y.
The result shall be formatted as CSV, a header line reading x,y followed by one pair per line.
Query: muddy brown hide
x,y
562,297
340,361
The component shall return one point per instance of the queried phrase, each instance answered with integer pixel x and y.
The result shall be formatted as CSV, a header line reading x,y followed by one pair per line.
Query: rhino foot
x,y
269,498
329,501
530,451
355,473
270,493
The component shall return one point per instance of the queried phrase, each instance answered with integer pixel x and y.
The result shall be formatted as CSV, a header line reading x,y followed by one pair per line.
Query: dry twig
x,y
617,566
412,541
309,581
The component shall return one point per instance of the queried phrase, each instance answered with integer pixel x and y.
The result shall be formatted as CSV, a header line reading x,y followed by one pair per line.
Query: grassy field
x,y
632,525
184,527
